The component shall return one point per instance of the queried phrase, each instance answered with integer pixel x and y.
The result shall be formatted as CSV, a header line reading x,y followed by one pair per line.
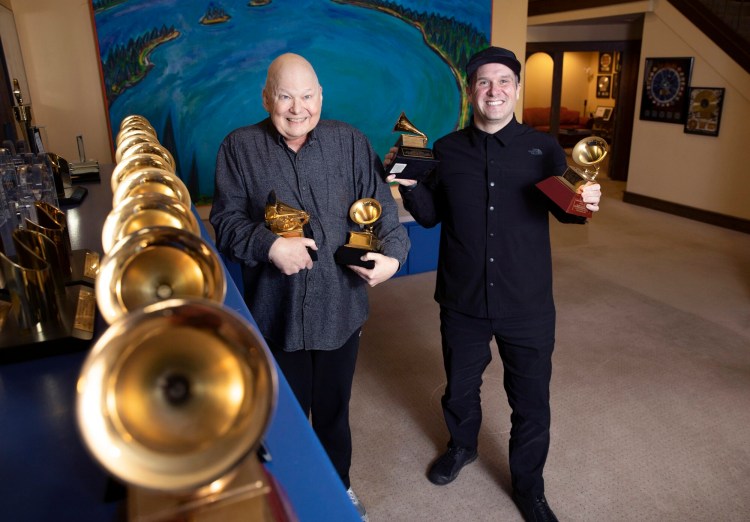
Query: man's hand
x,y
290,255
383,270
392,177
591,193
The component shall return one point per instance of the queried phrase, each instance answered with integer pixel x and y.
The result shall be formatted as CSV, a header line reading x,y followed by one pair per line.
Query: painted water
x,y
208,81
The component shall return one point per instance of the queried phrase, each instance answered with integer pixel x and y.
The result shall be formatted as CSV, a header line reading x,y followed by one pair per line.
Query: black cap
x,y
493,55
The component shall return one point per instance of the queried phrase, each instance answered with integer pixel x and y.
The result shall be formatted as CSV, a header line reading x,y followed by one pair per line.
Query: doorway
x,y
588,88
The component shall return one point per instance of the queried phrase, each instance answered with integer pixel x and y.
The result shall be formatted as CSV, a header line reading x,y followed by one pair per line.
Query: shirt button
x,y
492,260
492,208
492,234
492,284
492,183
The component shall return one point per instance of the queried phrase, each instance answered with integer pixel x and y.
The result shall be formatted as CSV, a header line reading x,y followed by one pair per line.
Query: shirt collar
x,y
504,135
278,138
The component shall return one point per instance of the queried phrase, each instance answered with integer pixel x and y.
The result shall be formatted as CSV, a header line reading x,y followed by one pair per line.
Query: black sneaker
x,y
445,469
535,509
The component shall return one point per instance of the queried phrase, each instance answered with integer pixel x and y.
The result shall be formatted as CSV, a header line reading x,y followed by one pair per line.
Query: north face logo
x,y
535,152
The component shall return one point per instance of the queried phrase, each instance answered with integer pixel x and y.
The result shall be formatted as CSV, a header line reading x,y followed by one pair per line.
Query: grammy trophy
x,y
413,159
364,212
564,190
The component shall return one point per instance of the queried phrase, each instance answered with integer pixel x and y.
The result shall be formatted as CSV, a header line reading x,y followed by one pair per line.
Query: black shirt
x,y
495,257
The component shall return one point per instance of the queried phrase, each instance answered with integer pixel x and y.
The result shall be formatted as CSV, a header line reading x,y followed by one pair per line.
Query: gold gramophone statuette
x,y
284,220
563,190
413,159
365,212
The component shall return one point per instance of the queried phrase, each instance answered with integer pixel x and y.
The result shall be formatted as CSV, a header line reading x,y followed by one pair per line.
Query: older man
x,y
310,311
494,273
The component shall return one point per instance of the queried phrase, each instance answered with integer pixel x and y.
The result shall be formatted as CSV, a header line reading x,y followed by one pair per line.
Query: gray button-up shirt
x,y
316,309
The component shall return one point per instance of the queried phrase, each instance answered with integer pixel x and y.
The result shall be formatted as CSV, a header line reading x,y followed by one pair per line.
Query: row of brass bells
x,y
151,238
182,387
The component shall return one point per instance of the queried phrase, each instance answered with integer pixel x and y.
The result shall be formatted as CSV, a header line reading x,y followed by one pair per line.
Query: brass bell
x,y
155,264
146,210
148,180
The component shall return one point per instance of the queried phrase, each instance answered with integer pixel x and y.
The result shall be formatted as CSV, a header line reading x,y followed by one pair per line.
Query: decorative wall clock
x,y
665,89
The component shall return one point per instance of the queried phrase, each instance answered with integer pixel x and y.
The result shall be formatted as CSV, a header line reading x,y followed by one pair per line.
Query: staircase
x,y
734,13
726,22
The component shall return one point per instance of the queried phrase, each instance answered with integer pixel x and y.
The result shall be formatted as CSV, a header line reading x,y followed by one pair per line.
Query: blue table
x,y
46,473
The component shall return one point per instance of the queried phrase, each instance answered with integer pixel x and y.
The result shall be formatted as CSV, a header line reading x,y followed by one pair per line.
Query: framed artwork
x,y
195,68
704,110
606,61
604,112
603,86
665,89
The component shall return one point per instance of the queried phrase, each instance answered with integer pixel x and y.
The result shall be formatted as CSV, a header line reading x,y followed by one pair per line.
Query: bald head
x,y
293,98
289,66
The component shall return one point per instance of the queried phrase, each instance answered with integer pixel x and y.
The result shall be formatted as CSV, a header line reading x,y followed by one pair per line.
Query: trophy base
x,y
253,494
350,255
412,163
72,332
564,196
84,266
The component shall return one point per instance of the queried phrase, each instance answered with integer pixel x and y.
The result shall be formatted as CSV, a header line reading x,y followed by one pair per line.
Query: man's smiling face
x,y
493,95
293,98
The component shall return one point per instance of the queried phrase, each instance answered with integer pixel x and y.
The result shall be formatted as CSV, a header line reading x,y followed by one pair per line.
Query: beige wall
x,y
509,31
538,76
59,53
709,173
60,57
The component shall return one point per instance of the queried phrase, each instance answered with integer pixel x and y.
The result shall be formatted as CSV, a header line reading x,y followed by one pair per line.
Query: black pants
x,y
322,383
525,347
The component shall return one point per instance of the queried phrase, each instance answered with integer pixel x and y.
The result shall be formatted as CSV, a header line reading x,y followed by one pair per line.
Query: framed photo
x,y
606,62
603,86
618,61
604,112
704,110
665,89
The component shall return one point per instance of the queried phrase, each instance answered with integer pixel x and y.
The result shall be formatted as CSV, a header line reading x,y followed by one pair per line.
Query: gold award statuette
x,y
364,212
284,220
563,190
413,159
287,221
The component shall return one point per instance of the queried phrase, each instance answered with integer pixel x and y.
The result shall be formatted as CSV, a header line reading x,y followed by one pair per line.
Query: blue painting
x,y
195,68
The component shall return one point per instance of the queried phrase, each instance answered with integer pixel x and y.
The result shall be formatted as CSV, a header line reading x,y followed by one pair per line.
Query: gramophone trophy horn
x,y
146,210
416,138
156,264
135,120
413,160
137,161
130,139
150,147
173,399
151,180
564,190
136,128
365,212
